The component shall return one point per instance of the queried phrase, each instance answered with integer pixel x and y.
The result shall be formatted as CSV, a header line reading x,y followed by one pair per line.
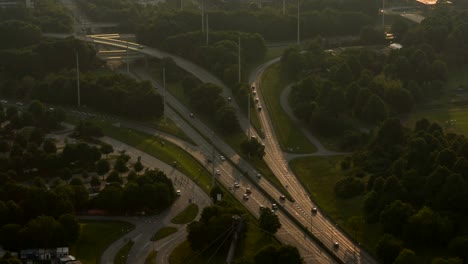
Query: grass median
x,y
122,255
186,216
289,136
163,232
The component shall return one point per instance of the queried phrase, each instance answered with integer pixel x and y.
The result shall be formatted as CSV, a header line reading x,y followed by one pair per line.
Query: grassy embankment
x,y
95,237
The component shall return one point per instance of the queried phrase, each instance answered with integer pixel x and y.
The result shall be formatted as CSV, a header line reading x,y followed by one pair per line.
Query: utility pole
x,y
213,162
207,30
248,115
239,58
78,78
164,91
202,16
284,7
298,23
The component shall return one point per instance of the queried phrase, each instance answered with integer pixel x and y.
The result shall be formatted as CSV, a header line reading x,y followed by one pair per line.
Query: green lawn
x,y
95,237
442,113
319,175
151,258
187,215
289,136
168,126
122,255
164,232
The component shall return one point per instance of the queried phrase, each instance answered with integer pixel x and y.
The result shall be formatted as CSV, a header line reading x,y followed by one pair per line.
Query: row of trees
x,y
207,100
416,187
48,15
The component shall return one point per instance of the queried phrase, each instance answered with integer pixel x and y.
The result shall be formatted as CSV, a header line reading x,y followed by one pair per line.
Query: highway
x,y
322,227
290,233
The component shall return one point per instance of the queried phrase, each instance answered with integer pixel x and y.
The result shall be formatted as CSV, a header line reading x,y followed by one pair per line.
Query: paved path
x,y
321,150
146,227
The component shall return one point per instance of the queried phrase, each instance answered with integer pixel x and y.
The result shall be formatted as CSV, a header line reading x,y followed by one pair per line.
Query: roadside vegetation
x,y
187,215
164,232
122,255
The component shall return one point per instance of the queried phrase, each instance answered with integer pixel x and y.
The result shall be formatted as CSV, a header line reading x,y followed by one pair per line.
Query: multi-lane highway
x,y
301,208
322,227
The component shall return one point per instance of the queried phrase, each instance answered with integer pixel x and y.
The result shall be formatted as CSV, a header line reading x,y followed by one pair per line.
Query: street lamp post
x,y
78,78
298,23
207,30
164,91
239,58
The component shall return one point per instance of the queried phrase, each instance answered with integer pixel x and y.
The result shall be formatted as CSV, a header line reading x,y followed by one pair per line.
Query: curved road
x,y
321,226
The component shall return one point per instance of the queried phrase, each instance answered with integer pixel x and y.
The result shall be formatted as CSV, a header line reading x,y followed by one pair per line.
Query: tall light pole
x,y
164,91
207,30
298,23
202,16
248,114
78,78
239,58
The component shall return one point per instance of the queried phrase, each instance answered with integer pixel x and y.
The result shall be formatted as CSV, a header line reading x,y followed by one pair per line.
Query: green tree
x,y
395,216
106,149
406,256
102,167
388,248
268,221
253,148
71,228
283,254
49,146
374,110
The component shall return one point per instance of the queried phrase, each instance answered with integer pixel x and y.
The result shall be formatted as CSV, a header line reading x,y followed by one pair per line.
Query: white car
x,y
236,185
3,101
178,193
217,172
222,158
246,196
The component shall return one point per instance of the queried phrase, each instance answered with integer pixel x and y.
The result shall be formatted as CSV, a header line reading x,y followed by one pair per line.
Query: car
x,y
261,207
254,93
140,47
174,164
229,99
248,191
192,115
19,103
178,193
274,207
236,185
259,108
217,172
282,197
245,196
259,176
336,245
3,101
222,158
314,210
256,99
253,87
